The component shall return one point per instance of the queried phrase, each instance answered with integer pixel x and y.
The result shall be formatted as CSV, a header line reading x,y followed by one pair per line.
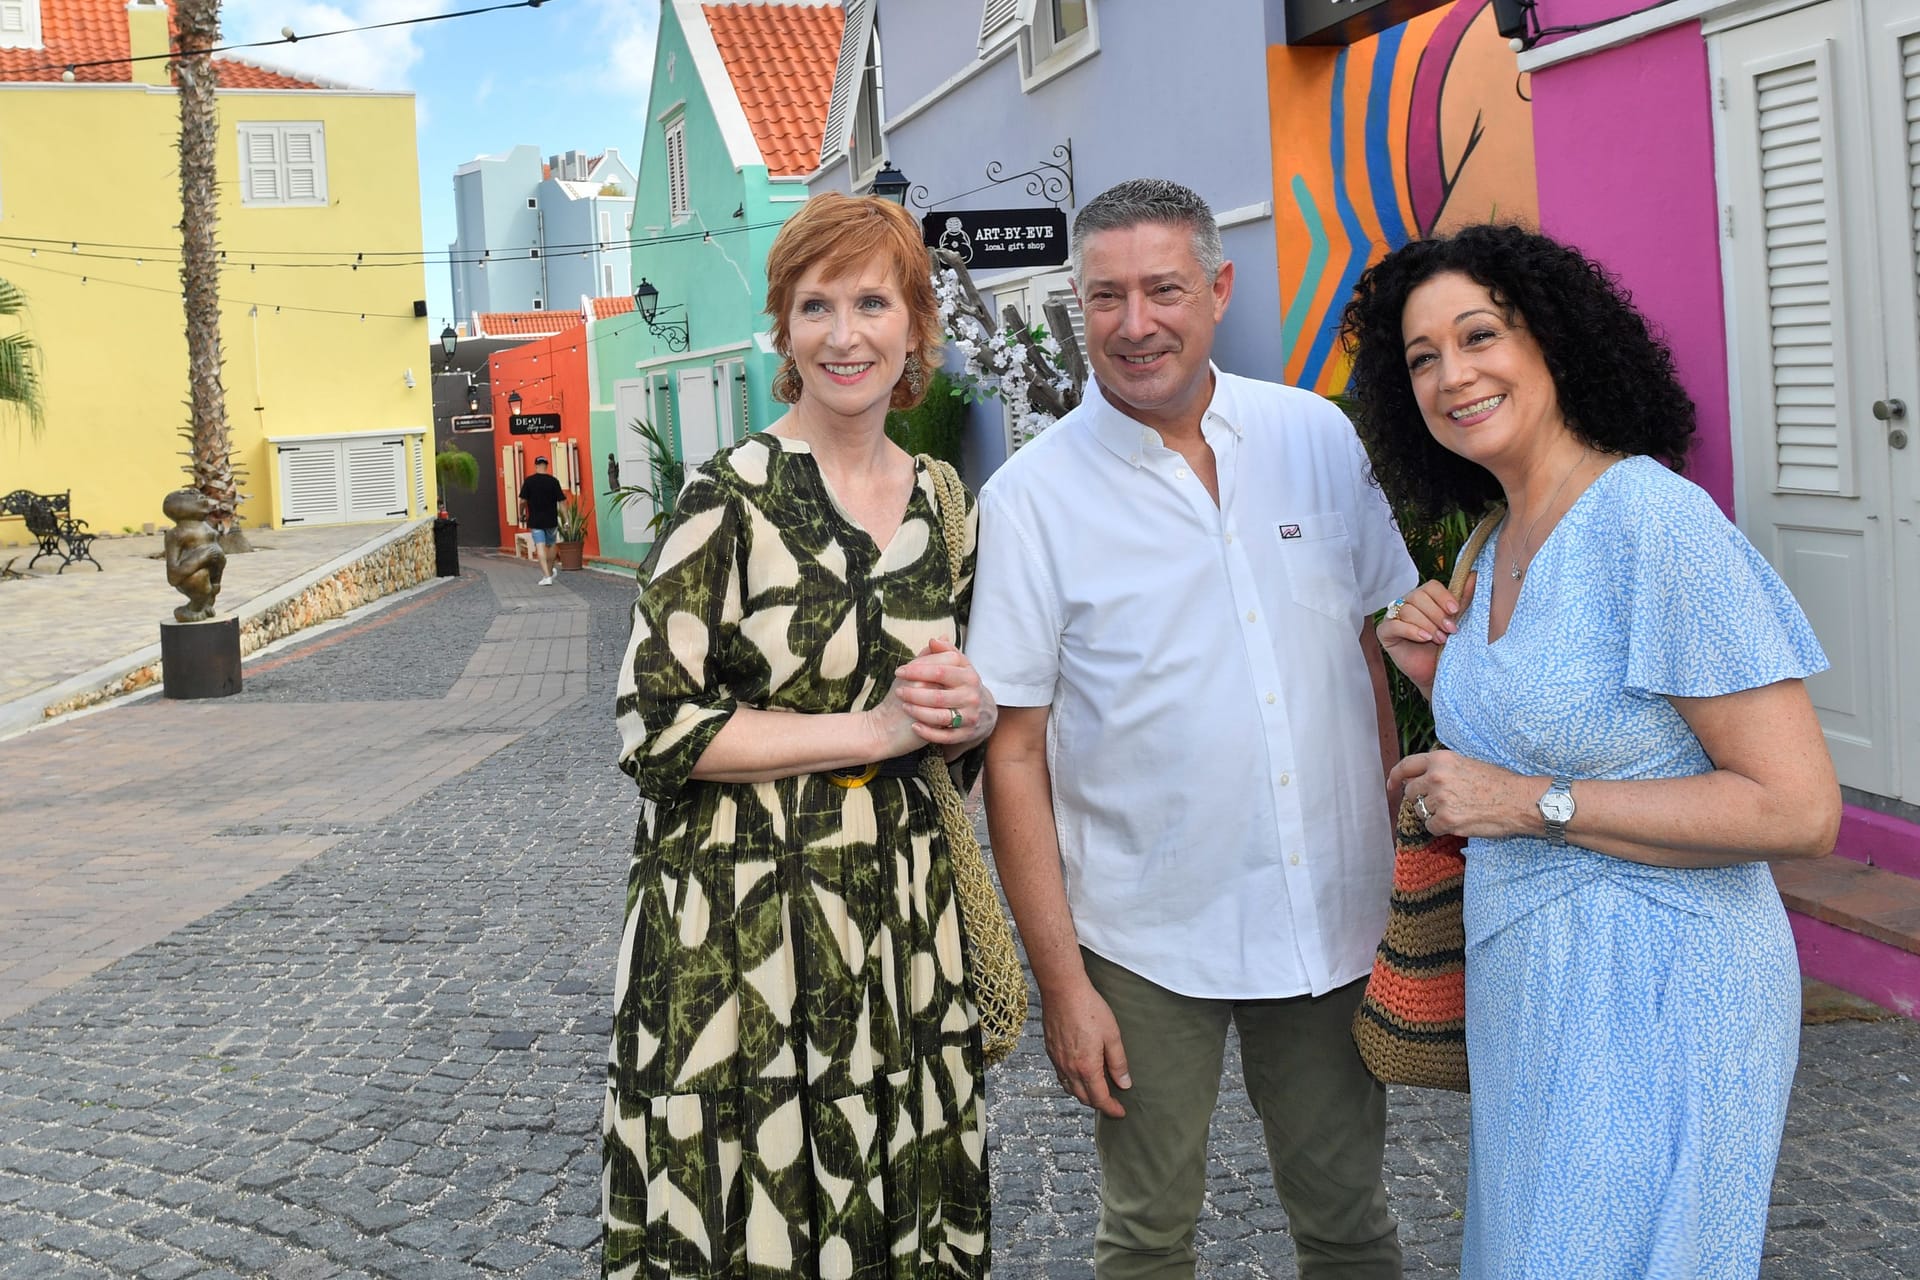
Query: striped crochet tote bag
x,y
1411,1027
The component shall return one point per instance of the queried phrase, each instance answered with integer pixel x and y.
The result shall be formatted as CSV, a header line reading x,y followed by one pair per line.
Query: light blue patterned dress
x,y
1632,1030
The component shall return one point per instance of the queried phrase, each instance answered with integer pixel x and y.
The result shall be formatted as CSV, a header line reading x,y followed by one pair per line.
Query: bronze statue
x,y
194,558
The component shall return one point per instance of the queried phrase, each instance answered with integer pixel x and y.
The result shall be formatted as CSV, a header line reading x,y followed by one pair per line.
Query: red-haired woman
x,y
795,1081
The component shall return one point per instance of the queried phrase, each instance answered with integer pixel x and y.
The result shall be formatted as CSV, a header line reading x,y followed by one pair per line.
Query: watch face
x,y
1556,806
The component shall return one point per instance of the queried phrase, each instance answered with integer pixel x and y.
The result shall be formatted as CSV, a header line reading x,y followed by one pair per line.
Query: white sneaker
x,y
547,581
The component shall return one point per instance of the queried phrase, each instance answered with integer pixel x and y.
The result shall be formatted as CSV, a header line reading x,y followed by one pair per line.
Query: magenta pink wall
x,y
1623,144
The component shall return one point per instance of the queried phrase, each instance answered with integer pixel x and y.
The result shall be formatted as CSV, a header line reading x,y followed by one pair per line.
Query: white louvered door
x,y
1893,41
1819,227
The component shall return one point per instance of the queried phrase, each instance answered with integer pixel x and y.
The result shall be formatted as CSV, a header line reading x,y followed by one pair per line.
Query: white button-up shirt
x,y
1215,756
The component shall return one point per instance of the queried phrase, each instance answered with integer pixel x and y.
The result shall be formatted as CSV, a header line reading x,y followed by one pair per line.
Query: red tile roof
x,y
235,74
780,58
498,324
77,31
606,307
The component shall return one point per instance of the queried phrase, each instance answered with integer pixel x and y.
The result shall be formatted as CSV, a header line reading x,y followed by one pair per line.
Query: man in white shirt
x,y
1187,789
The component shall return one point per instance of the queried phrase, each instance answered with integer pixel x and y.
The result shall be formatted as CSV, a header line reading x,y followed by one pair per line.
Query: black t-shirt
x,y
543,496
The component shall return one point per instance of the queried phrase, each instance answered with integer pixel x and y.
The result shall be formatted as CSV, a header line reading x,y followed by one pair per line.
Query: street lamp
x,y
449,340
473,398
513,403
646,300
890,185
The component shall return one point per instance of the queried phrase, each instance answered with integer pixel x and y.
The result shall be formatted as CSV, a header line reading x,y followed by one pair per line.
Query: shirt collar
x,y
1130,440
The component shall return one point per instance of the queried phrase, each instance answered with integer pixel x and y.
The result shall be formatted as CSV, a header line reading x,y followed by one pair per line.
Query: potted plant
x,y
572,528
668,474
455,468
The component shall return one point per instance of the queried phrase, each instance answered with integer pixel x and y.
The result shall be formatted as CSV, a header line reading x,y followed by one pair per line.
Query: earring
x,y
786,384
915,374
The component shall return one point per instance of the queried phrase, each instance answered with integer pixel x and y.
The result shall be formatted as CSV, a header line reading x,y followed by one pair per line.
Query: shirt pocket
x,y
1318,557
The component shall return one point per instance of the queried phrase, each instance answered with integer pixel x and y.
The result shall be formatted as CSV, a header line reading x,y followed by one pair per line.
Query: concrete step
x,y
1858,927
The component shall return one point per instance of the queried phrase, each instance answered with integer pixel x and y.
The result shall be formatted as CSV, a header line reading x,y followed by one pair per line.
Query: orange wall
x,y
1421,128
551,376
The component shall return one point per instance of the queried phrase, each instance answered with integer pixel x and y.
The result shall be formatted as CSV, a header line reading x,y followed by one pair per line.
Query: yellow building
x,y
329,399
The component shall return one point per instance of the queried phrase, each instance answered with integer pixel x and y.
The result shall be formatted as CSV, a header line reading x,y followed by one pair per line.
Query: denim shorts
x,y
545,537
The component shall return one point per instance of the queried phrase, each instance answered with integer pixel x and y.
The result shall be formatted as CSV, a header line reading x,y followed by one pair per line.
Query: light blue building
x,y
1062,99
537,235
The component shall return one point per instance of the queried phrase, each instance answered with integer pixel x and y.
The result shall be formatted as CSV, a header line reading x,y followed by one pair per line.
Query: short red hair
x,y
840,234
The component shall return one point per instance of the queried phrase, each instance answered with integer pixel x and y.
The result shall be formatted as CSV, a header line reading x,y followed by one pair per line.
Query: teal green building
x,y
738,106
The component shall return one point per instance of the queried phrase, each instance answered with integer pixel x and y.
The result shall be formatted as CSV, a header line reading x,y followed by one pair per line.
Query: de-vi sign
x,y
533,424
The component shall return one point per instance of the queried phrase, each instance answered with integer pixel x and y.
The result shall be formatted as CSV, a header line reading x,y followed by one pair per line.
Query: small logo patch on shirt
x,y
1289,530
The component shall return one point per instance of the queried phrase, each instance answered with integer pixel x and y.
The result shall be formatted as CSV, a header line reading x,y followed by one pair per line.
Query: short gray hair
x,y
1149,200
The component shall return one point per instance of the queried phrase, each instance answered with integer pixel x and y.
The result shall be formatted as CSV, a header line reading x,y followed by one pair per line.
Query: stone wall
x,y
393,566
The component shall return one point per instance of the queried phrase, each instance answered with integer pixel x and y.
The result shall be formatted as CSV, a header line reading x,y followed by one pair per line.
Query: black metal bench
x,y
49,518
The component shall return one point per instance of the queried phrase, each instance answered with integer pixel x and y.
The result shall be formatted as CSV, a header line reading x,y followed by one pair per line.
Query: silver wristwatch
x,y
1556,806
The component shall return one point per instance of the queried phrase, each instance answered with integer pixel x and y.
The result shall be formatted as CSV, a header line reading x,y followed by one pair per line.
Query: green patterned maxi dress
x,y
795,1085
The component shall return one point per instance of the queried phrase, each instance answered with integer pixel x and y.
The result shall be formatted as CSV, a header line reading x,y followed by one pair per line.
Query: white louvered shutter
x,y
848,73
1802,225
260,149
420,475
677,168
304,149
376,479
13,21
310,483
1910,94
998,20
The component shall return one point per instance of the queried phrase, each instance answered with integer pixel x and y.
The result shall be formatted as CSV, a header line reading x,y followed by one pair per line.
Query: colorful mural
x,y
1423,127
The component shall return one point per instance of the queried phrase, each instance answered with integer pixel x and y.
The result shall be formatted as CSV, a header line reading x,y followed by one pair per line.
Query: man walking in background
x,y
540,499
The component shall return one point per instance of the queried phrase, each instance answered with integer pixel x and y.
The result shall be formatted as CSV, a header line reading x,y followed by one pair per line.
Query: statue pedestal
x,y
200,659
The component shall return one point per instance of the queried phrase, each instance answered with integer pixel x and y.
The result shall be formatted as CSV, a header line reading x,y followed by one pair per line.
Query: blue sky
x,y
571,74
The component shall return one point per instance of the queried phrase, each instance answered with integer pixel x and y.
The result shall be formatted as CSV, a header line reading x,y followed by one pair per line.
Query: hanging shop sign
x,y
533,424
471,422
993,239
1337,22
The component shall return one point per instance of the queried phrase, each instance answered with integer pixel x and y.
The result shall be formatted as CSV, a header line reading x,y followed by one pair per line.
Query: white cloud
x,y
626,31
366,59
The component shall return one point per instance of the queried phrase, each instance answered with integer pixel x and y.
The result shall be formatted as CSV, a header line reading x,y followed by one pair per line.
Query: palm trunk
x,y
212,465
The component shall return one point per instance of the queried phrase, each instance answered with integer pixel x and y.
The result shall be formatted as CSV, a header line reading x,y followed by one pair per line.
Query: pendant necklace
x,y
1514,570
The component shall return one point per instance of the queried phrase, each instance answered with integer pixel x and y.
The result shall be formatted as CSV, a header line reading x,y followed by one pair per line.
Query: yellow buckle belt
x,y
851,778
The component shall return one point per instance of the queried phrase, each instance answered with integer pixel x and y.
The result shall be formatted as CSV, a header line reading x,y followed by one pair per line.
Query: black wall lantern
x,y
513,403
891,185
449,340
646,299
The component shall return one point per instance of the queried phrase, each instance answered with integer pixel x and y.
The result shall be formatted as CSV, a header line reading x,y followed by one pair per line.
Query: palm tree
x,y
19,363
211,451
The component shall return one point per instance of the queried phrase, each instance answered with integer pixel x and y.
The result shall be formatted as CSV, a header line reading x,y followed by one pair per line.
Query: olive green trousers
x,y
1325,1121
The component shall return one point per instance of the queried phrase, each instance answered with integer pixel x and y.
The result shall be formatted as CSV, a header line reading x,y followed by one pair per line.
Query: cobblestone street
x,y
314,983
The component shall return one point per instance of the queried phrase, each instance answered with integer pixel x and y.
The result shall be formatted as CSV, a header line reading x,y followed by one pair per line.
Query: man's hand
x,y
1084,1042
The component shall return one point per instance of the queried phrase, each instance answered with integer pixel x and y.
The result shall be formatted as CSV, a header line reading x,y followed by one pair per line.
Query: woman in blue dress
x,y
1627,742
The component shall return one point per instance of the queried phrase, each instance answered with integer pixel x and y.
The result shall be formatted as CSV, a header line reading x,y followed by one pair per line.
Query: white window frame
x,y
283,135
679,204
1042,57
20,25
866,156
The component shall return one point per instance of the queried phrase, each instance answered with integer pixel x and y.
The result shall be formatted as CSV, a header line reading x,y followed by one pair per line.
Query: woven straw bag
x,y
995,978
1411,1027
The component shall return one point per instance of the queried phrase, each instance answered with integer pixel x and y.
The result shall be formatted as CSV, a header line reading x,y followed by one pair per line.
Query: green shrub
x,y
456,468
935,425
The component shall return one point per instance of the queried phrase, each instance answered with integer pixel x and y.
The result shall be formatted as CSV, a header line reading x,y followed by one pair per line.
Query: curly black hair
x,y
1613,376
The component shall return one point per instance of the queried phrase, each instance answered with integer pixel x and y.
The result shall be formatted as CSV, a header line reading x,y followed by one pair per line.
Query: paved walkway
x,y
53,626
318,978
